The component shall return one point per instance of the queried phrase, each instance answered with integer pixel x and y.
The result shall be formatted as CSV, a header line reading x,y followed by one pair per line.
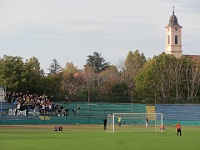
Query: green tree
x,y
32,75
52,86
54,67
11,72
97,62
133,63
144,81
157,77
191,78
170,79
69,85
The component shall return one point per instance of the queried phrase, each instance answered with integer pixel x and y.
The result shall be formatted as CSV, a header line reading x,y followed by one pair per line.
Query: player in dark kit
x,y
178,129
105,123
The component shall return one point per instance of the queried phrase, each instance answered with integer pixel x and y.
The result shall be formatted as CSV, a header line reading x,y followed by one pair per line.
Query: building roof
x,y
196,57
173,21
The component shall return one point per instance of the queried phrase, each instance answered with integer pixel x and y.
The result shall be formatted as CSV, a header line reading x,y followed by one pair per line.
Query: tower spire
x,y
173,9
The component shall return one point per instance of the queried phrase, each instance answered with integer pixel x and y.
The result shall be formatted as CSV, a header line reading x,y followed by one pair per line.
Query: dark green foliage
x,y
97,62
54,67
119,89
11,73
164,79
168,79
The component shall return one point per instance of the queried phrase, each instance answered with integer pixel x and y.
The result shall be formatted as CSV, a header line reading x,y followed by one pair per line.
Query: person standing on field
x,y
74,111
119,120
78,109
147,121
178,129
105,123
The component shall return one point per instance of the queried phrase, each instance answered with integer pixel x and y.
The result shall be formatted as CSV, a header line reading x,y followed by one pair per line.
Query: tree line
x,y
161,79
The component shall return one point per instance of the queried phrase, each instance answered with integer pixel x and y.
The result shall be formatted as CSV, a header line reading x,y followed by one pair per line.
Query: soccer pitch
x,y
93,137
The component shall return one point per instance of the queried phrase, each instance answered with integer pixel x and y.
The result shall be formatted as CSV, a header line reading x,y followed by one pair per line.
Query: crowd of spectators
x,y
27,102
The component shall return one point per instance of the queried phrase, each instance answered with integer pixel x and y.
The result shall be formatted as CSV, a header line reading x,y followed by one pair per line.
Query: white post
x,y
113,122
155,115
1,95
155,122
162,121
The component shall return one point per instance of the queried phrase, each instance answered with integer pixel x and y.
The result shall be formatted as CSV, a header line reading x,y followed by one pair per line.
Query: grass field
x,y
93,137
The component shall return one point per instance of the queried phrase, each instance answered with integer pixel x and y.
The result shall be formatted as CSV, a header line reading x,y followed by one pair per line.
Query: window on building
x,y
168,39
176,39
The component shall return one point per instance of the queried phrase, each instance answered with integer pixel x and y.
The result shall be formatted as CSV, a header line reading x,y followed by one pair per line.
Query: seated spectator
x,y
162,128
74,111
56,128
63,112
60,128
24,102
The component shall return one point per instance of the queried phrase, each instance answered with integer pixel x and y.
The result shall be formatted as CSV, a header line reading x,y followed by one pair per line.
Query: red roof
x,y
197,57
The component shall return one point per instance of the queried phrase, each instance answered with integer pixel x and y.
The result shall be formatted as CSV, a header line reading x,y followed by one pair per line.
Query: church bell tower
x,y
173,37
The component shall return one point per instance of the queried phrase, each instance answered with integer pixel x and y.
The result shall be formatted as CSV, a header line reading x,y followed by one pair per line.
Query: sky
x,y
70,30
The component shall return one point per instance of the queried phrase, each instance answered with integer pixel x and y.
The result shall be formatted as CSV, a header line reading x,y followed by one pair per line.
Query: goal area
x,y
130,120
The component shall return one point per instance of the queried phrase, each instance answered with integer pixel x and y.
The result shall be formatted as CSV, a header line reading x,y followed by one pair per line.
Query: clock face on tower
x,y
176,28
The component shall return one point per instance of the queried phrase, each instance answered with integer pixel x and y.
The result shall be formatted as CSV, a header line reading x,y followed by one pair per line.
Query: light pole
x,y
88,104
155,98
1,107
1,99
